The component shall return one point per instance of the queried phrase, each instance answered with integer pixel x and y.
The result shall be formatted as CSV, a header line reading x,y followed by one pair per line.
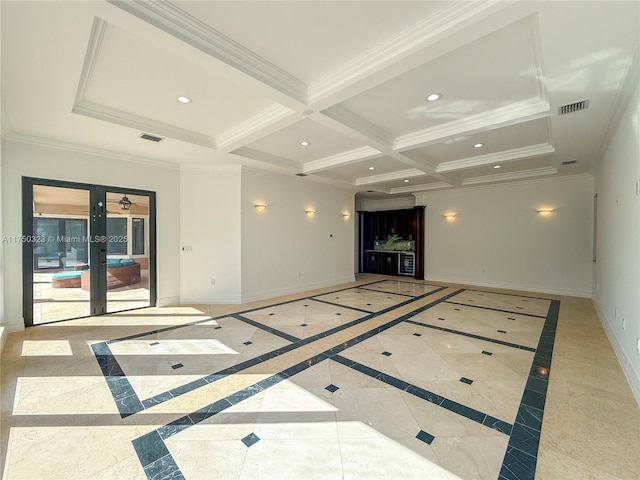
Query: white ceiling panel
x,y
133,75
489,73
381,165
323,142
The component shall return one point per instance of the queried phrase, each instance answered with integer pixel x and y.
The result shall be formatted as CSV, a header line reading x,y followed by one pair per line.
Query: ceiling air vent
x,y
573,107
569,162
301,174
152,138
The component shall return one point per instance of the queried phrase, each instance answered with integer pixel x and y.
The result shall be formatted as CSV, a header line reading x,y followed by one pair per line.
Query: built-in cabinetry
x,y
392,242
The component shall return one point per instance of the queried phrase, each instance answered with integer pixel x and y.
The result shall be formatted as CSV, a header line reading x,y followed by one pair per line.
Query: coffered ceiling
x,y
350,79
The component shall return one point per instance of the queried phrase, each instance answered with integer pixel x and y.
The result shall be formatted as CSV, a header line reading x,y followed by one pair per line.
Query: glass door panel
x,y
60,253
128,258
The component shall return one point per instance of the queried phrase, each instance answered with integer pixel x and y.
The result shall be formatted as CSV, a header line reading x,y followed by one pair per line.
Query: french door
x,y
87,250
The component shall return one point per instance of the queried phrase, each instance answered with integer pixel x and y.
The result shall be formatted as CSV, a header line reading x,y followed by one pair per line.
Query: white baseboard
x,y
233,300
3,337
277,292
512,286
625,363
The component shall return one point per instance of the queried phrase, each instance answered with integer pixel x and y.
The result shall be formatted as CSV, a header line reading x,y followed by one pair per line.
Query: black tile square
x,y
217,328
519,308
417,334
425,437
154,344
510,318
250,439
388,354
177,365
440,318
457,309
338,313
468,381
248,343
484,352
271,314
303,325
368,304
305,305
501,331
332,388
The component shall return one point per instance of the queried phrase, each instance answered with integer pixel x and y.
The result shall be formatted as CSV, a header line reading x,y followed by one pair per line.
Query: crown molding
x,y
126,119
388,177
500,157
420,35
518,112
499,177
264,123
73,147
98,29
341,159
178,23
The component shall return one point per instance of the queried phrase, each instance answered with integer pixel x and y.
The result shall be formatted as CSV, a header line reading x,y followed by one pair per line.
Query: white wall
x,y
210,225
617,269
282,241
21,159
498,239
3,329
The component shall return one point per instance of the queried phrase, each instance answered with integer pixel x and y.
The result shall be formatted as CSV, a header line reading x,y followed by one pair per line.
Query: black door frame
x,y
97,247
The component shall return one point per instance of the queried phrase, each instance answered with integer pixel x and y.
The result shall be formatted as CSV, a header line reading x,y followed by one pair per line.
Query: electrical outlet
x,y
638,346
187,248
624,324
637,187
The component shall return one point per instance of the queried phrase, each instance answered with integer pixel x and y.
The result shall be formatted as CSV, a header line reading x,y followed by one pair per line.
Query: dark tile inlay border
x,y
496,309
466,380
471,335
387,354
127,400
520,459
177,365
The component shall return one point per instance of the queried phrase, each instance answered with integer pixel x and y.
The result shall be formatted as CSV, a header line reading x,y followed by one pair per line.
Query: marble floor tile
x,y
420,402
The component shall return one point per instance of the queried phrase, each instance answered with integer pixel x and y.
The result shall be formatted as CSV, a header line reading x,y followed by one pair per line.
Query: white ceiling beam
x,y
341,159
254,154
389,177
420,188
512,114
534,172
531,151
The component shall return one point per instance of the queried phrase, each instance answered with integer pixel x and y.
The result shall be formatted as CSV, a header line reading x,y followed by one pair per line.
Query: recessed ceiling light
x,y
406,180
372,168
478,145
496,166
433,97
304,143
183,99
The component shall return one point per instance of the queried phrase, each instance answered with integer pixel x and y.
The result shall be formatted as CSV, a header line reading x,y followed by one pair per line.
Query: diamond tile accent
x,y
303,325
440,318
468,381
425,437
177,365
154,344
388,354
250,439
338,313
417,334
510,318
502,331
217,328
248,343
271,314
484,352
332,388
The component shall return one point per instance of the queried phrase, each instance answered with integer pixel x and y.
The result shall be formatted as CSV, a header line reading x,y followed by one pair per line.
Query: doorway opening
x,y
89,250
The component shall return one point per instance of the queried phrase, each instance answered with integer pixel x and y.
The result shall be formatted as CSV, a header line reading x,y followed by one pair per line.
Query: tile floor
x,y
385,378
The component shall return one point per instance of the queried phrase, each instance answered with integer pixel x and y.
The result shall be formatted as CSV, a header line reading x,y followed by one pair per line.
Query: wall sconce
x,y
260,207
450,216
310,213
346,215
545,212
125,203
